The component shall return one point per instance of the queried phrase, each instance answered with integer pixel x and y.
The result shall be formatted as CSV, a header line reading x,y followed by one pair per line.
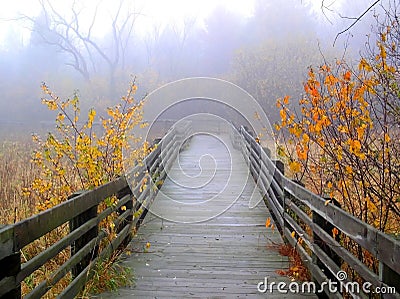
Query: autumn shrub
x,y
343,141
83,152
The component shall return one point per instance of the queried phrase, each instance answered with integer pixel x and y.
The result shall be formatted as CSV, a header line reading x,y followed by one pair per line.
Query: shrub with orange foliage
x,y
345,141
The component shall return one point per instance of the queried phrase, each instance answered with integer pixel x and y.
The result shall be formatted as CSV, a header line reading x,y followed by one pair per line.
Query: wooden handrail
x,y
84,236
298,210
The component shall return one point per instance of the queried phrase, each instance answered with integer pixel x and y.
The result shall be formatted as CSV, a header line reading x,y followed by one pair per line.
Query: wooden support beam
x,y
74,224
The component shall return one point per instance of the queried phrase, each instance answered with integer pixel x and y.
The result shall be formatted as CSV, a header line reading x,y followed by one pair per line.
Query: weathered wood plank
x,y
383,247
225,255
39,260
45,285
36,226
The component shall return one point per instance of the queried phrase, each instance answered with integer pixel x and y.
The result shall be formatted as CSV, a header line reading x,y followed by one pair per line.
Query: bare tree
x,y
150,41
72,34
166,46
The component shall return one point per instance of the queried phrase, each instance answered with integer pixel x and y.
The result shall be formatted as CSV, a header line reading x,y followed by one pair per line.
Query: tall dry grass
x,y
16,204
16,173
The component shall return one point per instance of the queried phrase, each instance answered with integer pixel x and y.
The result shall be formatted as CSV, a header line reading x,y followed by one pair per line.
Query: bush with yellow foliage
x,y
83,152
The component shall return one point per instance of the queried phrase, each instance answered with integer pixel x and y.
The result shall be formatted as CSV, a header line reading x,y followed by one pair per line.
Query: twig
x,y
356,21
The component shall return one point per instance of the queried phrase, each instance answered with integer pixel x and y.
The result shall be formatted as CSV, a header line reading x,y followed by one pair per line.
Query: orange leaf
x,y
286,100
335,232
347,76
268,222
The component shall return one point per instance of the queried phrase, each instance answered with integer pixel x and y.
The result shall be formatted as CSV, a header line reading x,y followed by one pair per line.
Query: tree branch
x,y
356,20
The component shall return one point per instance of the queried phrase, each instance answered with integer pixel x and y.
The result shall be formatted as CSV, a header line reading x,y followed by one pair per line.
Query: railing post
x,y
281,167
296,202
128,220
328,228
10,266
280,196
388,276
257,159
75,223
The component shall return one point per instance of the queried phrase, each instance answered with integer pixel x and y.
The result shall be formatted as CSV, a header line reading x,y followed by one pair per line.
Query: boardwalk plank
x,y
224,257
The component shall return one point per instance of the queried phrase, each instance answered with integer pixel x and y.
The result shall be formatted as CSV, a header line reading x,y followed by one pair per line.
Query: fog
x,y
264,47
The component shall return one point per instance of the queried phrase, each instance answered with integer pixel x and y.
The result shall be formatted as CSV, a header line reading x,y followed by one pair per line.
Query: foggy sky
x,y
219,42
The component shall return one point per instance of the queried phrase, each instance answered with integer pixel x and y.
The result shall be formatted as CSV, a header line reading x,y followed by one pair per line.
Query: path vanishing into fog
x,y
226,253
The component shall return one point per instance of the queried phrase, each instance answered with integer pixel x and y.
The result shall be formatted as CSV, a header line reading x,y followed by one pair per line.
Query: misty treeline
x,y
266,53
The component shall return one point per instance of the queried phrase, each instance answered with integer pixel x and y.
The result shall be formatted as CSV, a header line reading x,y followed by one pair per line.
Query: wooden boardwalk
x,y
225,253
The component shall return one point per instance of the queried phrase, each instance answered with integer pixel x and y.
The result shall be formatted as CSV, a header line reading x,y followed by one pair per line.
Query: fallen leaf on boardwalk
x,y
268,222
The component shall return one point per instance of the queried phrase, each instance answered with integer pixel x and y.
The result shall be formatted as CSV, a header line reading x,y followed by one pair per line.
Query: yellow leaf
x,y
349,170
371,206
360,132
295,166
327,202
123,208
51,104
306,138
364,65
60,117
283,115
387,138
91,115
148,245
293,234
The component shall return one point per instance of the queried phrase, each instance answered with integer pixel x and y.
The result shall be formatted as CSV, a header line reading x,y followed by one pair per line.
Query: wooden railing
x,y
303,214
80,213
